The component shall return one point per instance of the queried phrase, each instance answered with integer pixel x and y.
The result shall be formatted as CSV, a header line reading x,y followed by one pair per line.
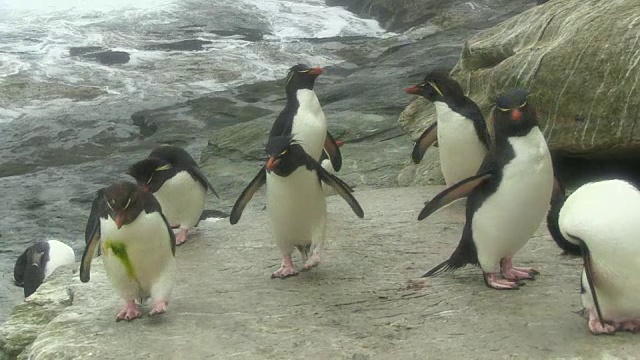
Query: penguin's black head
x,y
301,76
152,172
285,155
35,261
437,86
513,115
125,201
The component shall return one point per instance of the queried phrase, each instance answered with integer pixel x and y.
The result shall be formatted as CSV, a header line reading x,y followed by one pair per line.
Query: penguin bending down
x,y
601,218
175,179
460,129
137,245
39,261
507,198
295,201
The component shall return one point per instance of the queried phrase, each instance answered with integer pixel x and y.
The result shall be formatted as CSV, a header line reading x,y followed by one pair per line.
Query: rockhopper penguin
x,y
295,201
38,261
601,218
175,179
137,245
460,129
507,198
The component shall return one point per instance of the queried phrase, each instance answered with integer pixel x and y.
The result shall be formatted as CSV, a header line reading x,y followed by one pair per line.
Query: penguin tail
x,y
444,267
557,201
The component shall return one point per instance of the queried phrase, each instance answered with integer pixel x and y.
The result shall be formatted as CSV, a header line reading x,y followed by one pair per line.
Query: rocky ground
x,y
366,301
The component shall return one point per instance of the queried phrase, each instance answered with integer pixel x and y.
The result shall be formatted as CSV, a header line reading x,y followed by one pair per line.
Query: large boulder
x,y
580,61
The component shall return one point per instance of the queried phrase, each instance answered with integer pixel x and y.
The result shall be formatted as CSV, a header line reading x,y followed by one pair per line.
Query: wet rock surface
x,y
365,301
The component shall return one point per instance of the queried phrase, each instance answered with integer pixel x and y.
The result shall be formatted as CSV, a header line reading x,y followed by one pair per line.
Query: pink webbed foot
x,y
629,325
286,269
129,312
493,281
182,236
599,328
513,273
159,308
312,261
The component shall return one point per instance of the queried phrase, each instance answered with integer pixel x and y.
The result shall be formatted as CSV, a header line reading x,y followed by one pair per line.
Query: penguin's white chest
x,y
182,199
505,221
59,254
309,125
461,151
297,207
137,255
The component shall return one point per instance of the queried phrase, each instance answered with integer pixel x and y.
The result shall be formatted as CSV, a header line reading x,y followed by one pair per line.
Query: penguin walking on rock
x,y
601,219
507,198
39,261
303,118
295,201
137,246
175,179
460,129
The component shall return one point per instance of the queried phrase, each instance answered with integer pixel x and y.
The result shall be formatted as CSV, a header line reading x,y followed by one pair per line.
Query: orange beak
x,y
412,90
516,115
339,143
316,70
119,220
272,163
145,187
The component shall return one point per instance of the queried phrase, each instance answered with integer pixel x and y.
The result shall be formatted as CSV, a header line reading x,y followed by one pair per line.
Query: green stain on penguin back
x,y
119,250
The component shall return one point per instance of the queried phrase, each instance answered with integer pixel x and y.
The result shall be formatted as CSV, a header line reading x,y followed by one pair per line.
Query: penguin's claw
x,y
597,327
493,281
513,273
182,236
129,312
313,261
286,269
159,308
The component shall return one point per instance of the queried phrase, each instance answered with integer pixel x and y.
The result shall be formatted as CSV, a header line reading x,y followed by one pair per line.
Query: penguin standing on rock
x,y
137,245
507,198
175,179
460,129
601,219
295,201
39,261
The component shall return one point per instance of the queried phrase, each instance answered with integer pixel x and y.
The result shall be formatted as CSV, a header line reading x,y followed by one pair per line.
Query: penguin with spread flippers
x,y
175,179
506,200
460,129
39,261
295,201
137,245
601,219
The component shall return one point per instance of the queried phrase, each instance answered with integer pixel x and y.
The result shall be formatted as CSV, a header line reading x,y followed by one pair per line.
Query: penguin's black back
x,y
284,122
469,109
181,160
28,272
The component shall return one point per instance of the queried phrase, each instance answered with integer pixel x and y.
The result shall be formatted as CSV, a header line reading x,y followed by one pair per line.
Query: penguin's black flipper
x,y
428,138
333,150
92,234
557,201
258,181
453,193
340,186
588,269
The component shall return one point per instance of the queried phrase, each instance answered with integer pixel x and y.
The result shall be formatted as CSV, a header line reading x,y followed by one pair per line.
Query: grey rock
x,y
365,300
183,45
579,61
